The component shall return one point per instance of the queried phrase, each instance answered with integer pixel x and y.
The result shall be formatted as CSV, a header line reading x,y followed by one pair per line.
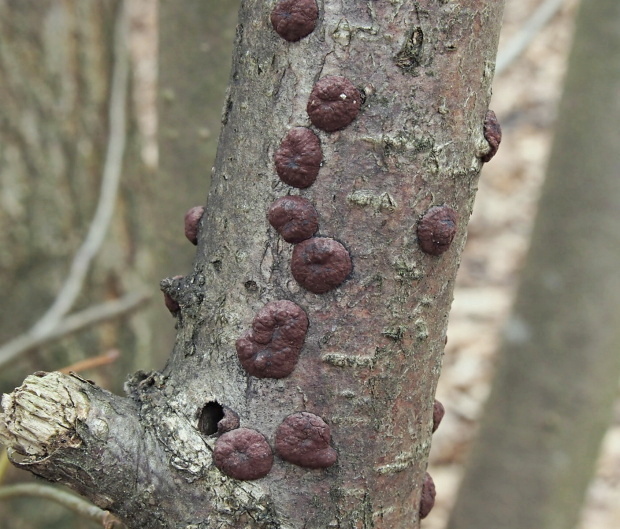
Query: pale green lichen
x,y
380,202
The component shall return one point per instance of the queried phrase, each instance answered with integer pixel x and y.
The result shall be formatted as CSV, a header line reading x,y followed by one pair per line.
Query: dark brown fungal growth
x,y
171,304
294,19
436,230
243,454
438,413
229,422
192,222
303,439
427,501
294,218
169,286
271,348
493,135
334,103
298,159
320,264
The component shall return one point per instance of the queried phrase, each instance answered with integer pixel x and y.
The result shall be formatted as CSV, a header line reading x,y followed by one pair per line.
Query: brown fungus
x,y
303,439
192,222
437,229
493,135
243,454
271,348
334,103
320,264
294,218
298,159
294,19
438,413
170,288
229,422
427,501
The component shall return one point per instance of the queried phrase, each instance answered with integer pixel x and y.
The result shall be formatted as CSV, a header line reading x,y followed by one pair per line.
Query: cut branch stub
x,y
334,103
271,348
298,159
192,222
303,439
438,413
427,502
294,218
437,229
243,454
294,19
493,135
320,264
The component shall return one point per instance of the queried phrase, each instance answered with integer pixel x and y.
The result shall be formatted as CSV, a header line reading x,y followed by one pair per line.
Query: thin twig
x,y
72,502
71,324
90,363
526,35
112,169
4,463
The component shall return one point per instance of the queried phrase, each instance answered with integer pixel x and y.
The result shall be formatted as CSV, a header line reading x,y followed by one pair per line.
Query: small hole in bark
x,y
211,414
251,286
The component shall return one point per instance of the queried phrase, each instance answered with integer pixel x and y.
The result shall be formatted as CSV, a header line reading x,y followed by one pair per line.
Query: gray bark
x,y
552,398
372,354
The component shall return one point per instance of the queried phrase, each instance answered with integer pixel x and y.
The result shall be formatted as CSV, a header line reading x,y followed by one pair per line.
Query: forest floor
x,y
525,99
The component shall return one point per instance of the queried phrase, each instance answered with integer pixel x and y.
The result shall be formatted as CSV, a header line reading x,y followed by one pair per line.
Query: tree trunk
x,y
372,352
552,398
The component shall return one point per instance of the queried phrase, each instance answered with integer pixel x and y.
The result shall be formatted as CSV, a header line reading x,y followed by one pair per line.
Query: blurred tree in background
x,y
557,379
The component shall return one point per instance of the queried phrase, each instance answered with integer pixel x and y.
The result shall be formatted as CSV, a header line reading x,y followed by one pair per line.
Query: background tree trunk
x,y
373,351
552,397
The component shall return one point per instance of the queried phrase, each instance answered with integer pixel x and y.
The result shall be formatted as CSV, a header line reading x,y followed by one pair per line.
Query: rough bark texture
x,y
553,394
373,349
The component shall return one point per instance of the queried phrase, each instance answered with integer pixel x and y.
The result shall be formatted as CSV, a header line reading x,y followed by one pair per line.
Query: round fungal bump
x,y
294,19
334,103
294,218
438,412
320,264
427,500
493,135
437,229
243,454
271,348
303,439
170,288
192,222
299,157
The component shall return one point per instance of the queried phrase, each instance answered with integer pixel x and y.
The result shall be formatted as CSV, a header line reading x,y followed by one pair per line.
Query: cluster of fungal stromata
x,y
272,347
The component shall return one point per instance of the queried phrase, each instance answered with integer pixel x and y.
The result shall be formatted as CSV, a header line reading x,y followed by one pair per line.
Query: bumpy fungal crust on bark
x,y
294,19
167,287
299,157
437,229
229,422
492,133
438,413
334,103
192,222
271,348
320,264
427,502
294,218
243,454
303,439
